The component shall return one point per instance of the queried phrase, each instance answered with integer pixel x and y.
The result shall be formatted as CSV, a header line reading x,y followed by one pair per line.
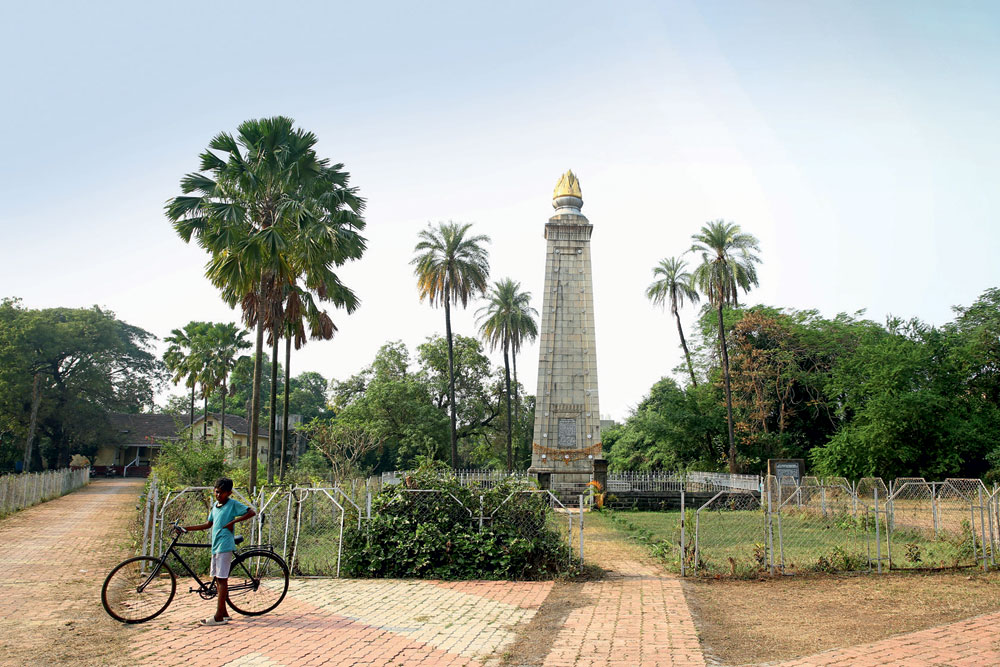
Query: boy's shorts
x,y
220,565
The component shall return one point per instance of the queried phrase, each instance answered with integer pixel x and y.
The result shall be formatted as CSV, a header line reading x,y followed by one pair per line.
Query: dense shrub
x,y
435,536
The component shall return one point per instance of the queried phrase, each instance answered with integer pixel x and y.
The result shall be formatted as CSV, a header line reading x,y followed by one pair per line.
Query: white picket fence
x,y
25,490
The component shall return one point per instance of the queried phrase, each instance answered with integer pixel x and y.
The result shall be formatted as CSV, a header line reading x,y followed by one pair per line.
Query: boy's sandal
x,y
211,621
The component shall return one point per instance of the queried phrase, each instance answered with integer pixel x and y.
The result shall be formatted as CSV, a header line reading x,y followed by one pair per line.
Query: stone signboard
x,y
794,468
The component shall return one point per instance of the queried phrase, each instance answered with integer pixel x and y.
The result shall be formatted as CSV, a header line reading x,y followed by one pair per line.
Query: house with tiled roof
x,y
135,438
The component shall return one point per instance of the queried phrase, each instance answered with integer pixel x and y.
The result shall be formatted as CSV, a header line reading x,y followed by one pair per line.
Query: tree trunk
x,y
684,345
273,409
284,412
517,404
451,381
204,422
255,403
510,425
36,399
191,417
222,422
729,396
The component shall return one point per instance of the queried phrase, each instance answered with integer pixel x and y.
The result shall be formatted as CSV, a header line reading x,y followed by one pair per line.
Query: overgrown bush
x,y
432,534
190,463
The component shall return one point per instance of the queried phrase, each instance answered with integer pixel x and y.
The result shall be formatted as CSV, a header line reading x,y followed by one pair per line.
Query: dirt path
x,y
53,560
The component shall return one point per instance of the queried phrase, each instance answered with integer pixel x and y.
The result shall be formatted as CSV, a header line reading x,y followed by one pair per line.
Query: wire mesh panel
x,y
192,506
956,521
818,531
731,535
913,541
274,524
319,526
869,488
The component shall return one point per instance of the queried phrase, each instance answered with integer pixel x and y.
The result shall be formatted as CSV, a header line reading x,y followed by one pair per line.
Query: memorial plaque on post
x,y
794,468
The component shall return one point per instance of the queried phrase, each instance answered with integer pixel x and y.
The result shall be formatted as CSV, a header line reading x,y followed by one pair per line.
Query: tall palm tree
x,y
495,326
451,265
224,342
727,265
673,285
521,325
183,358
269,212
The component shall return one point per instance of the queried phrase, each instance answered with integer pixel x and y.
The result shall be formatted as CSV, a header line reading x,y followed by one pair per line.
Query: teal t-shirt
x,y
223,539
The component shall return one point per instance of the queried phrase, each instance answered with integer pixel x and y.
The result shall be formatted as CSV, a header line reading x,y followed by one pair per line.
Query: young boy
x,y
226,512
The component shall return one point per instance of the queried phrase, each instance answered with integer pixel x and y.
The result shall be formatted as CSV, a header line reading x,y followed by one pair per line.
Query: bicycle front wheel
x,y
258,581
138,589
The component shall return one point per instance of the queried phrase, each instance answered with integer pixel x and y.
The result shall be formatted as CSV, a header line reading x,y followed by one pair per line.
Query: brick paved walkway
x,y
53,560
54,557
973,642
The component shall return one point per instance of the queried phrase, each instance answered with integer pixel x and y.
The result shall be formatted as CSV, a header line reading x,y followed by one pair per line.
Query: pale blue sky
x,y
858,141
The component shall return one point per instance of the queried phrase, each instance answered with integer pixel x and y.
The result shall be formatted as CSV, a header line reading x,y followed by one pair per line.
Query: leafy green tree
x,y
671,429
906,408
397,406
64,369
271,213
672,285
450,265
478,395
728,265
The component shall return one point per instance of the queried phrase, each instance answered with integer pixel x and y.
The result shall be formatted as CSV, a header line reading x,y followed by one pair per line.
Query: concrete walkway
x,y
54,557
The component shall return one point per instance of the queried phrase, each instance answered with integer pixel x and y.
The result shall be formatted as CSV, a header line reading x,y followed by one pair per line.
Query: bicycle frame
x,y
203,588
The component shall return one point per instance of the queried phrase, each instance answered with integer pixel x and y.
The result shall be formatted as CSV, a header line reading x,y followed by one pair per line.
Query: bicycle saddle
x,y
238,539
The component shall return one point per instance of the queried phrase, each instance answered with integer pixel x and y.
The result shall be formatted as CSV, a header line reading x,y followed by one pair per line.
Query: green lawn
x,y
736,542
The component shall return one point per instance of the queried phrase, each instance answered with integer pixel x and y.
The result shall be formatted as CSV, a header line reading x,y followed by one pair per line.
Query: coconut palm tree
x,y
270,212
727,266
673,285
523,326
496,327
183,358
224,342
451,265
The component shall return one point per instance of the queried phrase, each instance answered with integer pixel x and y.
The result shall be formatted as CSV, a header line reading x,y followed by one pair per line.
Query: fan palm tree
x,y
673,285
269,212
451,265
727,266
498,324
182,357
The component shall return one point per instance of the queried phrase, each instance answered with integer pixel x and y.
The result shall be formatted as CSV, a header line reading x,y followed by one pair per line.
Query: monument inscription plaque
x,y
567,433
794,468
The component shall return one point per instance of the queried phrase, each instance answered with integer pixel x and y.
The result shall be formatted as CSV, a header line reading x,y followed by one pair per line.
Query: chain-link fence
x,y
308,526
27,489
828,525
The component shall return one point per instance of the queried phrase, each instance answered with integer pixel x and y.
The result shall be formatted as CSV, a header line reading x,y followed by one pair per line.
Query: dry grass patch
x,y
742,622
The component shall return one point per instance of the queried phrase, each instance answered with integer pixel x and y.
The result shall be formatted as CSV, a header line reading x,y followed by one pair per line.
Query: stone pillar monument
x,y
567,436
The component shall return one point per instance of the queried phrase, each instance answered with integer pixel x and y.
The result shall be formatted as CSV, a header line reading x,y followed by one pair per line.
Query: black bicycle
x,y
140,589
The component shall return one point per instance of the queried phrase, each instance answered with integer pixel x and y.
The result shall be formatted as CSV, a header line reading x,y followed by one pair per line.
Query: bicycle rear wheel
x,y
138,589
258,581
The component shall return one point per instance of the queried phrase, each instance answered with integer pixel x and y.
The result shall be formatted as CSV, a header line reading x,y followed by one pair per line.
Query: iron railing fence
x,y
18,491
306,525
663,481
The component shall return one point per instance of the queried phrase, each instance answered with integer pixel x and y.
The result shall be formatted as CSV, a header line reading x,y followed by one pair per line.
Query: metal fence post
x,y
683,516
581,529
934,510
878,537
770,533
